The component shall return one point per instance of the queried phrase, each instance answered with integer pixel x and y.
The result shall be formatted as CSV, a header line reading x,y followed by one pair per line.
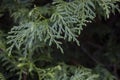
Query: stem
x,y
90,56
115,71
24,77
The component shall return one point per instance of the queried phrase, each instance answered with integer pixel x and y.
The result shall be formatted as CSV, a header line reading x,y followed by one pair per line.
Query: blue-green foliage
x,y
59,20
43,26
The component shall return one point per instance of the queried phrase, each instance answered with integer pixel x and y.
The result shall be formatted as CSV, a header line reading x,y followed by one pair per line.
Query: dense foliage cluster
x,y
35,32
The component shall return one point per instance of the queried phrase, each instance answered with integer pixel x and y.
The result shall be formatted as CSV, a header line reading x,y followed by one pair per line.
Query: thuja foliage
x,y
38,26
58,20
2,77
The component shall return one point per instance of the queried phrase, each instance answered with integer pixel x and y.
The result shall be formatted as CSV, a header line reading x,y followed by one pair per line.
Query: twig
x,y
89,55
